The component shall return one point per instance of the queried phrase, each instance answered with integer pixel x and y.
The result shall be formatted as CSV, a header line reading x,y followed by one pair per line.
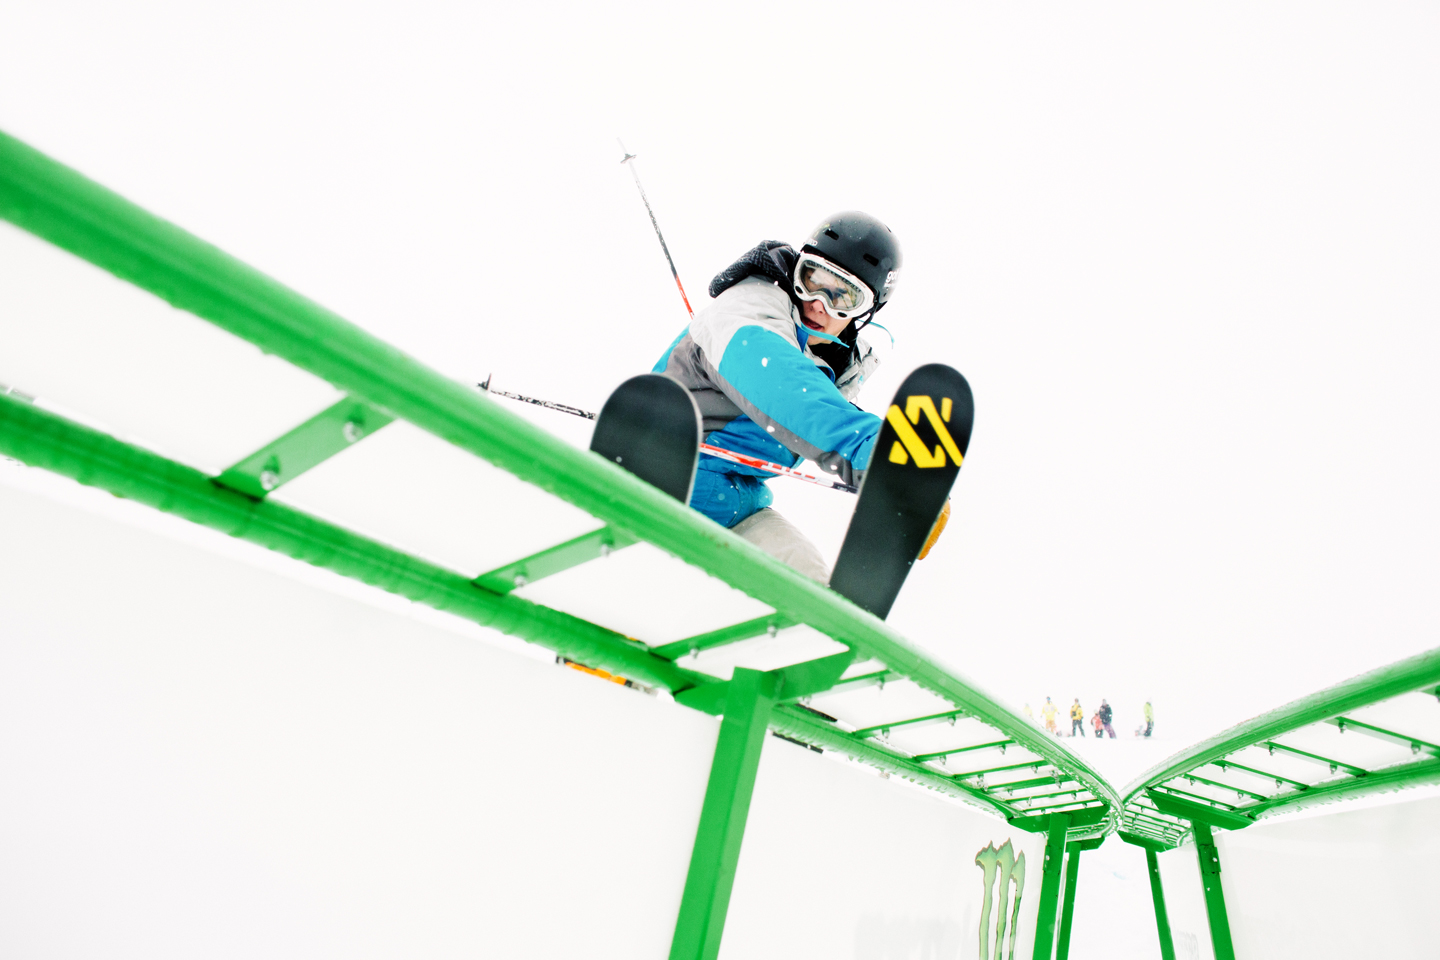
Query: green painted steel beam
x,y
1027,765
771,623
1334,765
994,744
63,207
1067,909
1144,842
792,683
1052,874
1414,744
806,727
556,559
1297,784
1197,812
1077,820
948,715
42,439
1169,789
1209,858
1157,894
716,854
1387,780
1418,673
1225,786
304,448
863,680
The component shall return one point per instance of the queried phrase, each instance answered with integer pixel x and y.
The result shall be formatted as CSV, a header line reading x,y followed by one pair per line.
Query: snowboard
x,y
914,464
650,426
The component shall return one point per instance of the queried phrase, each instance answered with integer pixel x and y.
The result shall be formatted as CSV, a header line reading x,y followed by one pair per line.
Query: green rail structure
x,y
963,744
1359,737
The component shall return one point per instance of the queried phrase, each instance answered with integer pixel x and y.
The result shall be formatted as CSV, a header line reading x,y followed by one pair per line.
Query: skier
x,y
1099,728
1029,714
1149,719
774,362
1106,715
1077,719
1049,712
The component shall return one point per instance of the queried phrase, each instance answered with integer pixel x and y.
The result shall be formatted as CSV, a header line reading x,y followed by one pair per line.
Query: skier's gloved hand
x,y
771,259
936,530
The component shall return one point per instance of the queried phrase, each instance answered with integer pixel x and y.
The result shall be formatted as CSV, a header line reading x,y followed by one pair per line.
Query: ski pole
x,y
656,224
730,456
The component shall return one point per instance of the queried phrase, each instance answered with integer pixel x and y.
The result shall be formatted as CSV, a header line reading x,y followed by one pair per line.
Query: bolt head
x,y
269,480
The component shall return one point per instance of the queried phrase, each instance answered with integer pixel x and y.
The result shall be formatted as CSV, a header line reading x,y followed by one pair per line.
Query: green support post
x,y
748,702
1067,910
1162,917
1209,858
1050,886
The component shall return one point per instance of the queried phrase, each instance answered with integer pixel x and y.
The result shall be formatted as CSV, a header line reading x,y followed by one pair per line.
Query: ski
x,y
915,462
830,483
650,426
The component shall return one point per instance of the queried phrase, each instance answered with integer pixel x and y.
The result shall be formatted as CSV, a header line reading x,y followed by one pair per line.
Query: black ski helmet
x,y
864,246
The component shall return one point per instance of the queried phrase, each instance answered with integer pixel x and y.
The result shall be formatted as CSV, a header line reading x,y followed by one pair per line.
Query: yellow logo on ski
x,y
910,440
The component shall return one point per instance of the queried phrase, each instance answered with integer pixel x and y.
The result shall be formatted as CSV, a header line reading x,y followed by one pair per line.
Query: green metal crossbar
x,y
557,559
770,623
307,446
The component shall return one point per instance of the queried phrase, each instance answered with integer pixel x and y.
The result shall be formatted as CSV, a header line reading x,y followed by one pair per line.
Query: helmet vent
x,y
871,260
832,234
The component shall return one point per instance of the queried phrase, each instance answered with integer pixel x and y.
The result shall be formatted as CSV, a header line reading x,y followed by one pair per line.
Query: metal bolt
x,y
520,580
771,630
604,550
269,480
1414,748
350,431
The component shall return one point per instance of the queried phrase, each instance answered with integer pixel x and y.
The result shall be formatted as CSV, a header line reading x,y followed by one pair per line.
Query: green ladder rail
x,y
1047,791
1205,787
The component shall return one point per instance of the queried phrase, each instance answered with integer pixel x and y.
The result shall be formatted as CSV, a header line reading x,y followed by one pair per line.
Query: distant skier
x,y
1099,727
1029,714
1106,715
1077,719
1050,712
774,363
1149,719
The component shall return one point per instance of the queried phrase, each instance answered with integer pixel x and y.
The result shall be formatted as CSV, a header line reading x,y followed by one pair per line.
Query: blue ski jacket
x,y
762,392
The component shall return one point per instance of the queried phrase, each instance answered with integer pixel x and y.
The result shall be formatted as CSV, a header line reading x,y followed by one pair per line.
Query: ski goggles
x,y
843,294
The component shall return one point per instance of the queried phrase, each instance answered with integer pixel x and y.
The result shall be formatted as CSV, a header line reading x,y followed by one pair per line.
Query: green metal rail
x,y
1017,771
1322,748
1242,775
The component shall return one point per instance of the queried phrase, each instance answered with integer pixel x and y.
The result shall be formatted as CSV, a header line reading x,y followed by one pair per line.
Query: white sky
x,y
1186,257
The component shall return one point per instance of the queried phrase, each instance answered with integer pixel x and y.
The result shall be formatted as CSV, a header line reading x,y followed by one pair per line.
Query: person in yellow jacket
x,y
1050,712
1077,719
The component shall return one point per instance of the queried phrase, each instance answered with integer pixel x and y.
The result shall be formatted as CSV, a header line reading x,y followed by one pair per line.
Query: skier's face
x,y
813,315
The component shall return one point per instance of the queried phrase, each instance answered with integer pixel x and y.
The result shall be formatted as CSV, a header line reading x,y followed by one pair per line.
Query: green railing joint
x,y
1197,812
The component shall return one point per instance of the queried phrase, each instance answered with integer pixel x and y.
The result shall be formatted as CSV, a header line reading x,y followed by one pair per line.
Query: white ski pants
x,y
783,540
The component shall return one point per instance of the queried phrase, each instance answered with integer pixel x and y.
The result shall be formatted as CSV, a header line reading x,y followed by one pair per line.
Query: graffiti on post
x,y
1001,868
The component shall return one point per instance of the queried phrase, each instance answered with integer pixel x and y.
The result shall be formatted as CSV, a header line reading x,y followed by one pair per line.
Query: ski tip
x,y
486,385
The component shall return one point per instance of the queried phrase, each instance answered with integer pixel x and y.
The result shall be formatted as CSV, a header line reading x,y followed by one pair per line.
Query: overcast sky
x,y
1186,257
